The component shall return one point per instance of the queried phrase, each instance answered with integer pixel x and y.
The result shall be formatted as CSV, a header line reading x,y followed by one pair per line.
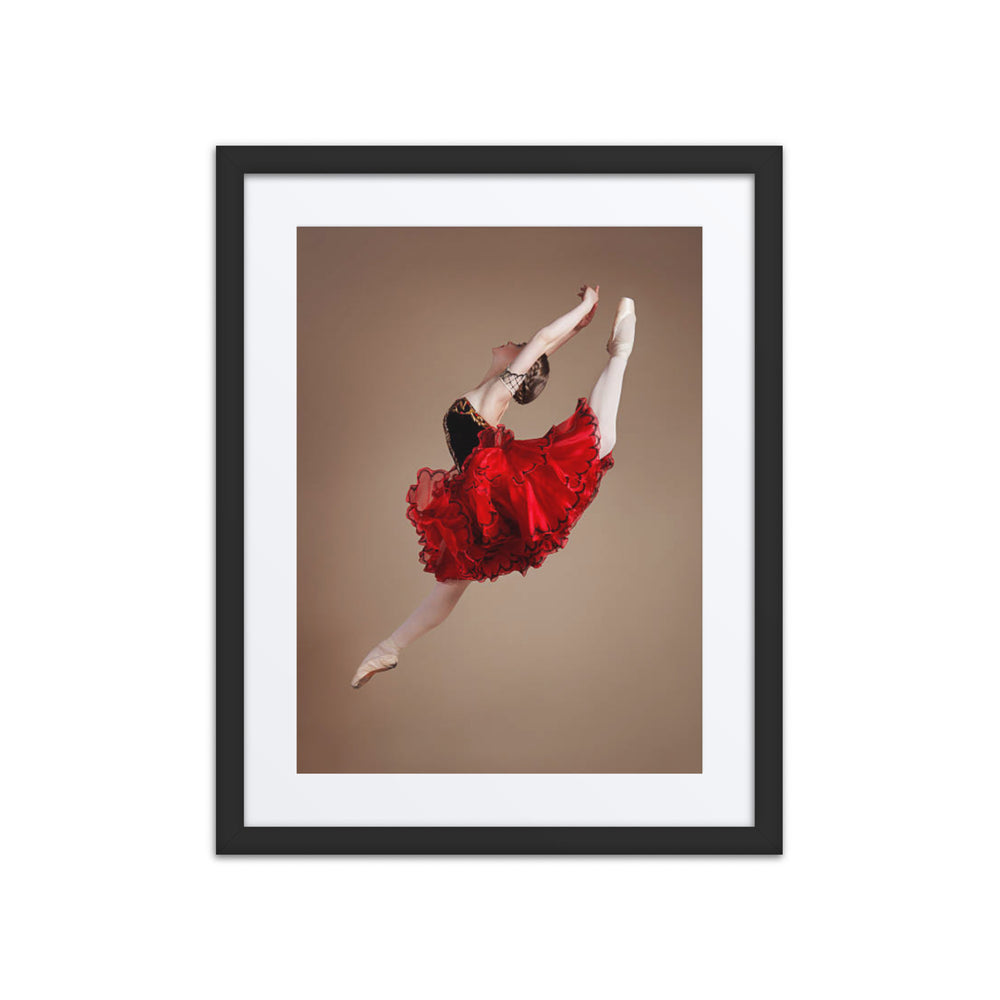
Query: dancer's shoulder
x,y
490,400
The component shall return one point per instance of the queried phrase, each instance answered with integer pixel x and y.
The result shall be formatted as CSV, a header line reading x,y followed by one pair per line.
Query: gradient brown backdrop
x,y
590,663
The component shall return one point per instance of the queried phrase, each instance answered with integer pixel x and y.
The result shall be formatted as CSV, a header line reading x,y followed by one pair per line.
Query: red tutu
x,y
512,502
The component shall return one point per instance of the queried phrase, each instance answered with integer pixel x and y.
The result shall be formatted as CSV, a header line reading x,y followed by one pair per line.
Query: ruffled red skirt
x,y
511,504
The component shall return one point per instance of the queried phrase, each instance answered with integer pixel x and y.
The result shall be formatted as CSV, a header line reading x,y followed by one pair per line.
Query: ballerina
x,y
507,503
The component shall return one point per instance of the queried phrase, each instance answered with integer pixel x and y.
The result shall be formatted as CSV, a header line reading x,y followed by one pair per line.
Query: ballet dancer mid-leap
x,y
506,504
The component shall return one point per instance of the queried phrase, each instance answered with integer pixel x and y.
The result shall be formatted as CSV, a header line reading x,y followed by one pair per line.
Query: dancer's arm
x,y
553,335
566,327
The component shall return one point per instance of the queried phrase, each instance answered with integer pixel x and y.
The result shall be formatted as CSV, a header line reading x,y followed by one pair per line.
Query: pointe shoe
x,y
620,345
385,656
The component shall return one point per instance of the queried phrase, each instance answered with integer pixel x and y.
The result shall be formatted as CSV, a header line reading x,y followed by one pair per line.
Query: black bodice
x,y
462,425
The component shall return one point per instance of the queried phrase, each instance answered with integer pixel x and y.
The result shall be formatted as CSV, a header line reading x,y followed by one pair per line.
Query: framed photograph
x,y
499,500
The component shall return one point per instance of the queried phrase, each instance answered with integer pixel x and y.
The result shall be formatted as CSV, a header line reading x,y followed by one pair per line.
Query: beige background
x,y
590,663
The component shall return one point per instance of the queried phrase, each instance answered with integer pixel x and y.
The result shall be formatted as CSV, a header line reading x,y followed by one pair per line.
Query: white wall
x,y
111,114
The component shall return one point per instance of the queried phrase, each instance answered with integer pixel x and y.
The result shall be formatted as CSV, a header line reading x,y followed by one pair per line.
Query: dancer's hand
x,y
588,294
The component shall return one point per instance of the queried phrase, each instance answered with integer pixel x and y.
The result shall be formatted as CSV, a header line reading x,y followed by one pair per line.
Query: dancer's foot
x,y
385,656
622,330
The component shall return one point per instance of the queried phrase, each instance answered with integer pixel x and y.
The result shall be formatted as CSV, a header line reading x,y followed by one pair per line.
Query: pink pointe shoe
x,y
620,342
385,656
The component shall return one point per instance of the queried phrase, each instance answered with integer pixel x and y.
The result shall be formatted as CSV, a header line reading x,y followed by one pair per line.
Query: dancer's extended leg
x,y
607,391
428,614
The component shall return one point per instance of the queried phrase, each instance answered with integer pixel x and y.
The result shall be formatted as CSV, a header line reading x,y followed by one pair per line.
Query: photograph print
x,y
499,500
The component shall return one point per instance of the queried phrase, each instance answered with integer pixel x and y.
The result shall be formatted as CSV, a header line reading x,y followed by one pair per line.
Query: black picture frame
x,y
233,165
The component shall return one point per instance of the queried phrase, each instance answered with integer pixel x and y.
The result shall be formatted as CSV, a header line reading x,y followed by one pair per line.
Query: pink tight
x,y
607,394
431,611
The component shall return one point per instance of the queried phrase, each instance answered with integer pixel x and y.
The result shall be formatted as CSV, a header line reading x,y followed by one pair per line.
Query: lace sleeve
x,y
512,380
